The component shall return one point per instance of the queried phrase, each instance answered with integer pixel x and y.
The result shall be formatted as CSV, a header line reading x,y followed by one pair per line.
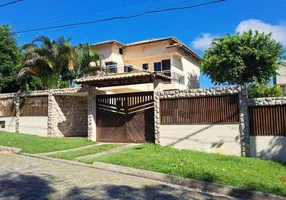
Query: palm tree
x,y
86,61
56,62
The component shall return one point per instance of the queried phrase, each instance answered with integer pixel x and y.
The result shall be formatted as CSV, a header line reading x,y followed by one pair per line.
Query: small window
x,y
128,68
121,51
111,67
145,66
157,67
2,124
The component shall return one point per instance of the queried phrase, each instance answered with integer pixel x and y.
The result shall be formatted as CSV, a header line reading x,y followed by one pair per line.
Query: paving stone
x,y
47,179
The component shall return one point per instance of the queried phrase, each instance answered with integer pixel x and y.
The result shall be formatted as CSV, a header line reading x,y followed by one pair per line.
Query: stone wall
x,y
267,101
77,108
69,116
244,121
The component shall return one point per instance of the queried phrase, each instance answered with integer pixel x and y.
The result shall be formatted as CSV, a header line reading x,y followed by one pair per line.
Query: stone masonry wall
x,y
69,116
52,131
267,101
244,122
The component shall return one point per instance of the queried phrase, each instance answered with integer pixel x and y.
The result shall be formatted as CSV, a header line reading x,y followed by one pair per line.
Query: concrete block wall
x,y
11,123
268,147
37,125
213,138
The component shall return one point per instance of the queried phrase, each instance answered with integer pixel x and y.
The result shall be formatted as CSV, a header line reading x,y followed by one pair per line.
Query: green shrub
x,y
264,90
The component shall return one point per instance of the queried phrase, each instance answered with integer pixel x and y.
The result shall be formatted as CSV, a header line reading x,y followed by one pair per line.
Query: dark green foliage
x,y
242,58
56,62
264,90
9,60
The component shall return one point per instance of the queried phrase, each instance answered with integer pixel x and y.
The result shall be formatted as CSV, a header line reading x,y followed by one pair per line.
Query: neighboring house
x,y
280,79
164,55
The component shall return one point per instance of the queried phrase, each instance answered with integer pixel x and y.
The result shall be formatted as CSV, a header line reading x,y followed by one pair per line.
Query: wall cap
x,y
45,92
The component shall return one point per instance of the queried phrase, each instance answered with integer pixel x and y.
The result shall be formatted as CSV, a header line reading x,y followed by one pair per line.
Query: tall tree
x,y
56,62
9,60
48,60
242,58
87,62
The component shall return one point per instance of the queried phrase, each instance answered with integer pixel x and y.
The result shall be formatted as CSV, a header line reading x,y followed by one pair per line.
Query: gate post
x,y
244,121
91,106
158,87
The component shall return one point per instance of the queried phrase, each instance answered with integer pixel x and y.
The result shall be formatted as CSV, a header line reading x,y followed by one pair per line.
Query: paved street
x,y
23,177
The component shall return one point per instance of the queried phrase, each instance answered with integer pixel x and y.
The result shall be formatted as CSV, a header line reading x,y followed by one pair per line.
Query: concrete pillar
x,y
172,68
91,113
18,111
172,61
50,114
158,87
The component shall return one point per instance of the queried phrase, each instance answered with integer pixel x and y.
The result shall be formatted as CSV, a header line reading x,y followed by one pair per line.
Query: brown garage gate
x,y
127,118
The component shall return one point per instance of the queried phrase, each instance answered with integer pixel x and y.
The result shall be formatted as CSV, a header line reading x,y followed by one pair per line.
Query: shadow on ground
x,y
127,192
18,186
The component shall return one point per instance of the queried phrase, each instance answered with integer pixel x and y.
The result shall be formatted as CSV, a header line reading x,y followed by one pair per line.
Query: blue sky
x,y
195,27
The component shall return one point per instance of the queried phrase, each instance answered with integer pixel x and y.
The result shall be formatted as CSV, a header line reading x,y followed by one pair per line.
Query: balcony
x,y
127,68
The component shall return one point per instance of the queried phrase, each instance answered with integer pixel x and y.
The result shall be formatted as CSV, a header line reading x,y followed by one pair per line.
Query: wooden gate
x,y
125,117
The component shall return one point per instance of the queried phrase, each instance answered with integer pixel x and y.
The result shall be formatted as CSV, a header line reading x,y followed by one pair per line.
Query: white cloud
x,y
278,31
203,41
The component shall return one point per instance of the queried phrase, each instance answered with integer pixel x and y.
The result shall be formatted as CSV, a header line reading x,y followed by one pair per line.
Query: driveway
x,y
24,177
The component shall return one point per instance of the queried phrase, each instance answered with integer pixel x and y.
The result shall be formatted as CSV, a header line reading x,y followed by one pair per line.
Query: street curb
x,y
10,149
191,183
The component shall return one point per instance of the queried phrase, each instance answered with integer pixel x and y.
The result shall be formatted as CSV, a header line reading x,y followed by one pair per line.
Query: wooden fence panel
x,y
267,120
34,106
7,107
200,110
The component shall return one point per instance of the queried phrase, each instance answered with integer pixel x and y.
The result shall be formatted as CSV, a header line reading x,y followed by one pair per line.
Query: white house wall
x,y
191,71
150,61
147,50
105,51
10,124
211,138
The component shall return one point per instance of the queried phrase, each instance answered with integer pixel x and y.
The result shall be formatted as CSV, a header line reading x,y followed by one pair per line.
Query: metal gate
x,y
125,117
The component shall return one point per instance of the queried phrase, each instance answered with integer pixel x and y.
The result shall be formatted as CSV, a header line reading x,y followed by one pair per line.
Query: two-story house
x,y
168,56
280,79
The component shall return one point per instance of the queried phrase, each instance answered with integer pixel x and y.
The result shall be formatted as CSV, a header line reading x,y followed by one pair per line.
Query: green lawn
x,y
36,144
255,174
92,150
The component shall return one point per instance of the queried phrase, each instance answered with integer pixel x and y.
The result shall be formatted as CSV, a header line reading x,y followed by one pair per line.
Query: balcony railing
x,y
125,68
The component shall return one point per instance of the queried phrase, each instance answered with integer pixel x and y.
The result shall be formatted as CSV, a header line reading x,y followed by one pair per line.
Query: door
x,y
166,67
125,118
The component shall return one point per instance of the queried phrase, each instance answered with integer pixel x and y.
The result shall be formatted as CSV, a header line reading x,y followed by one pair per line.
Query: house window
x,y
157,67
111,67
121,51
145,66
128,68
